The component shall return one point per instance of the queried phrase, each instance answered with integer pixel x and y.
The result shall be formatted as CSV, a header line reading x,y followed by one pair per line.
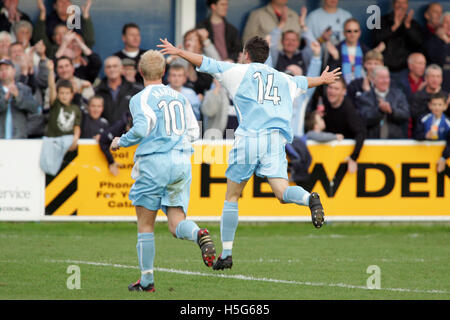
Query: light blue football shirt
x,y
162,120
263,97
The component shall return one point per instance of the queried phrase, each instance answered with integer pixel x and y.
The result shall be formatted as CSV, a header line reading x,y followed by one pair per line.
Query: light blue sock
x,y
296,194
228,225
187,229
146,254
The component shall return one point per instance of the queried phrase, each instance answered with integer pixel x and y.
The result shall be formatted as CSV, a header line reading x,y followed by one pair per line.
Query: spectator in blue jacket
x,y
435,125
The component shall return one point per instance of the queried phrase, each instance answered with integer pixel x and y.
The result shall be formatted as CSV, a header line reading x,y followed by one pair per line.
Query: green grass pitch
x,y
271,261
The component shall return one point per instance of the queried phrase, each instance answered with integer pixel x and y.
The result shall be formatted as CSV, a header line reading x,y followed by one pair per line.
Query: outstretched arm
x,y
325,78
168,48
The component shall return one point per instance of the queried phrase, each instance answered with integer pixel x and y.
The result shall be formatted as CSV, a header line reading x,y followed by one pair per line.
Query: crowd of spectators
x,y
395,87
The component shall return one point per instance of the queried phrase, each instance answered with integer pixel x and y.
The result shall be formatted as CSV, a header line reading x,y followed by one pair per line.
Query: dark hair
x,y
439,95
94,98
310,121
63,58
211,2
257,49
342,81
61,83
14,44
129,25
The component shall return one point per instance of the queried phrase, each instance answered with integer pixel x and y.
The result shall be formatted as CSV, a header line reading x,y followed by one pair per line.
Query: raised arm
x,y
325,78
168,48
51,81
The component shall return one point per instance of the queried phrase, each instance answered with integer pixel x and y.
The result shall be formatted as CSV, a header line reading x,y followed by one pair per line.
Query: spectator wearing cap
x,y
115,90
10,15
131,37
223,34
16,103
129,72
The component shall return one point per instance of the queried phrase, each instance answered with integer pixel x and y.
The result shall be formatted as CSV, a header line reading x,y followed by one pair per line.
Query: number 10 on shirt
x,y
170,117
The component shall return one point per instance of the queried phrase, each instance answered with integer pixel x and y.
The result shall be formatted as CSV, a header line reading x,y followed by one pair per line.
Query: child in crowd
x,y
435,125
64,124
92,124
177,78
315,126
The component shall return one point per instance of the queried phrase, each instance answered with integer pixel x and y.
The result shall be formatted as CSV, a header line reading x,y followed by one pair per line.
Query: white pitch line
x,y
249,278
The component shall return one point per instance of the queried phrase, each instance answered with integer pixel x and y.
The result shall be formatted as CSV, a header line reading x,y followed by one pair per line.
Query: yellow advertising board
x,y
395,178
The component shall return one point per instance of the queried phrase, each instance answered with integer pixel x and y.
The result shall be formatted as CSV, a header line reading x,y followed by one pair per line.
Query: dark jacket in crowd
x,y
397,121
399,44
425,124
345,120
41,32
232,39
438,52
136,59
115,130
21,107
90,71
203,83
355,89
419,105
446,152
297,58
91,127
115,109
5,25
86,30
300,159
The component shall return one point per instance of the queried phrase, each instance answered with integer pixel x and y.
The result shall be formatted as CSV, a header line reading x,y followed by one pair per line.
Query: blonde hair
x,y
373,55
152,65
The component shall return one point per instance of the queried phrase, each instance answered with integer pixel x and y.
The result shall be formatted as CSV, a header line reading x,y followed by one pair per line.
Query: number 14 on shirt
x,y
265,94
